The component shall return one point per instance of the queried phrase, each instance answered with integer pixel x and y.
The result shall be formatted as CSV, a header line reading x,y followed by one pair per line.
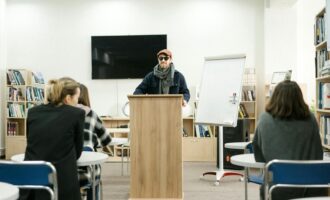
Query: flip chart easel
x,y
219,99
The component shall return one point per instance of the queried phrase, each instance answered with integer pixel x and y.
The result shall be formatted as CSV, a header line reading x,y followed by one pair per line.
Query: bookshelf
x,y
118,128
322,78
248,107
24,89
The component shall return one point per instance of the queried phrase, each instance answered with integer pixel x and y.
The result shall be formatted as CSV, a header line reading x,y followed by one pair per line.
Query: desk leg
x,y
122,160
93,181
246,182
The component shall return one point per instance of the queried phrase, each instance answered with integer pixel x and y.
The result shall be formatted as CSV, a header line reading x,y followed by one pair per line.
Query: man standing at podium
x,y
164,79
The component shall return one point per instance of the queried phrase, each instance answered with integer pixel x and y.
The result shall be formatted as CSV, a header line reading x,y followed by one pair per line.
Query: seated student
x,y
287,130
55,134
94,132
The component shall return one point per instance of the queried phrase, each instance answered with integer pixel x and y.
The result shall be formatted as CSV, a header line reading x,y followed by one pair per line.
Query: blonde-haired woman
x,y
55,134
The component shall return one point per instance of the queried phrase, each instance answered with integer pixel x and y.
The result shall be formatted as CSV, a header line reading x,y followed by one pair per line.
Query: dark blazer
x,y
55,134
150,85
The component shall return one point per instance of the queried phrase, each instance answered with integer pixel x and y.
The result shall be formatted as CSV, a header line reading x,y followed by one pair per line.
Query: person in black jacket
x,y
164,79
55,134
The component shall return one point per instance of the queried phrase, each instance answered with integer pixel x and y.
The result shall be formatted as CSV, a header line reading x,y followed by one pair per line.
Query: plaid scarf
x,y
166,78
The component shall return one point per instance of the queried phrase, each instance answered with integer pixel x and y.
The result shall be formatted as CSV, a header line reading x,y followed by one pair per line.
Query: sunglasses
x,y
163,58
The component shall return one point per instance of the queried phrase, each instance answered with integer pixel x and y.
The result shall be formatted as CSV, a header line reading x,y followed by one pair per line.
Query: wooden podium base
x,y
157,198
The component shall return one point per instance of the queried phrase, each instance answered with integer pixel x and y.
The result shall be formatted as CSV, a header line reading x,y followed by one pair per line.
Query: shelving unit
x,y
118,128
24,90
322,74
249,94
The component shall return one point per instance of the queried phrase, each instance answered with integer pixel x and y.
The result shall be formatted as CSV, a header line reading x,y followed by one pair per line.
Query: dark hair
x,y
58,89
287,102
84,96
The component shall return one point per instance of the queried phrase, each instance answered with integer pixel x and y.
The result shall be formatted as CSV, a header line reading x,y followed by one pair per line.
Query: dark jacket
x,y
288,140
150,85
55,134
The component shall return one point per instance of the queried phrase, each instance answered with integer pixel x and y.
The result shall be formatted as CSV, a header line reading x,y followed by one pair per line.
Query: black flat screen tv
x,y
124,57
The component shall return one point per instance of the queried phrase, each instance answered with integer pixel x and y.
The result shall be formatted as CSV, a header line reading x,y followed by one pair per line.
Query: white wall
x,y
280,39
2,68
54,37
289,40
306,12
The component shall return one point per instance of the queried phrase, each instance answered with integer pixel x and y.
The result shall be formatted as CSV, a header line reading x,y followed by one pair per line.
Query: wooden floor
x,y
116,186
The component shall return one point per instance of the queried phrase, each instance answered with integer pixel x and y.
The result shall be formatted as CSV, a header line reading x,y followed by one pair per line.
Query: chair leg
x,y
100,192
128,158
122,160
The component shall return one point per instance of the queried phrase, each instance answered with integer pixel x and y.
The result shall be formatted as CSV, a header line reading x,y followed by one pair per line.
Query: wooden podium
x,y
156,146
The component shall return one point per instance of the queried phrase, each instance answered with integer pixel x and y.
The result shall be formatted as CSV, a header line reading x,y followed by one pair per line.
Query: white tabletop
x,y
8,191
86,158
91,158
236,145
246,160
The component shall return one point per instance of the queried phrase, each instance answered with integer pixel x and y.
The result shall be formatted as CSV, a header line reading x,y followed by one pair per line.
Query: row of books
x,y
203,131
242,112
325,129
12,128
31,94
248,95
38,78
34,94
15,94
320,30
324,96
15,110
15,77
322,67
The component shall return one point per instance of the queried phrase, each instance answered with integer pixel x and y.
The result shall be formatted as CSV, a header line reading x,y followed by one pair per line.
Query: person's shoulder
x,y
150,74
73,110
265,116
36,108
93,114
178,73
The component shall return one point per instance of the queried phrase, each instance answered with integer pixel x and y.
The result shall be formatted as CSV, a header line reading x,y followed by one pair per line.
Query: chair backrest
x,y
87,148
289,173
30,175
258,178
249,148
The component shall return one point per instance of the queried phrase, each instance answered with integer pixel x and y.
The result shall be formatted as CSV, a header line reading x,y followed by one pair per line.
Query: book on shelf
x,y
325,129
184,132
319,30
12,128
325,96
244,110
38,78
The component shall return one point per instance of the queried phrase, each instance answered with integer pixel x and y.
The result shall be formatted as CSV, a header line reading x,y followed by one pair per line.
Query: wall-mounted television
x,y
123,57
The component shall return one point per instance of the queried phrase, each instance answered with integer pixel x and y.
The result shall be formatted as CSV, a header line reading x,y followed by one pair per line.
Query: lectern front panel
x,y
156,146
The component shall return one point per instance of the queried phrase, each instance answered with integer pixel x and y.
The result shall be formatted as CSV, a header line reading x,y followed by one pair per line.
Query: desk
x,y
247,161
236,145
87,158
8,191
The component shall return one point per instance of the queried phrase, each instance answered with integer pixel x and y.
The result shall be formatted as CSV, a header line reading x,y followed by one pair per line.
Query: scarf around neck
x,y
166,78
